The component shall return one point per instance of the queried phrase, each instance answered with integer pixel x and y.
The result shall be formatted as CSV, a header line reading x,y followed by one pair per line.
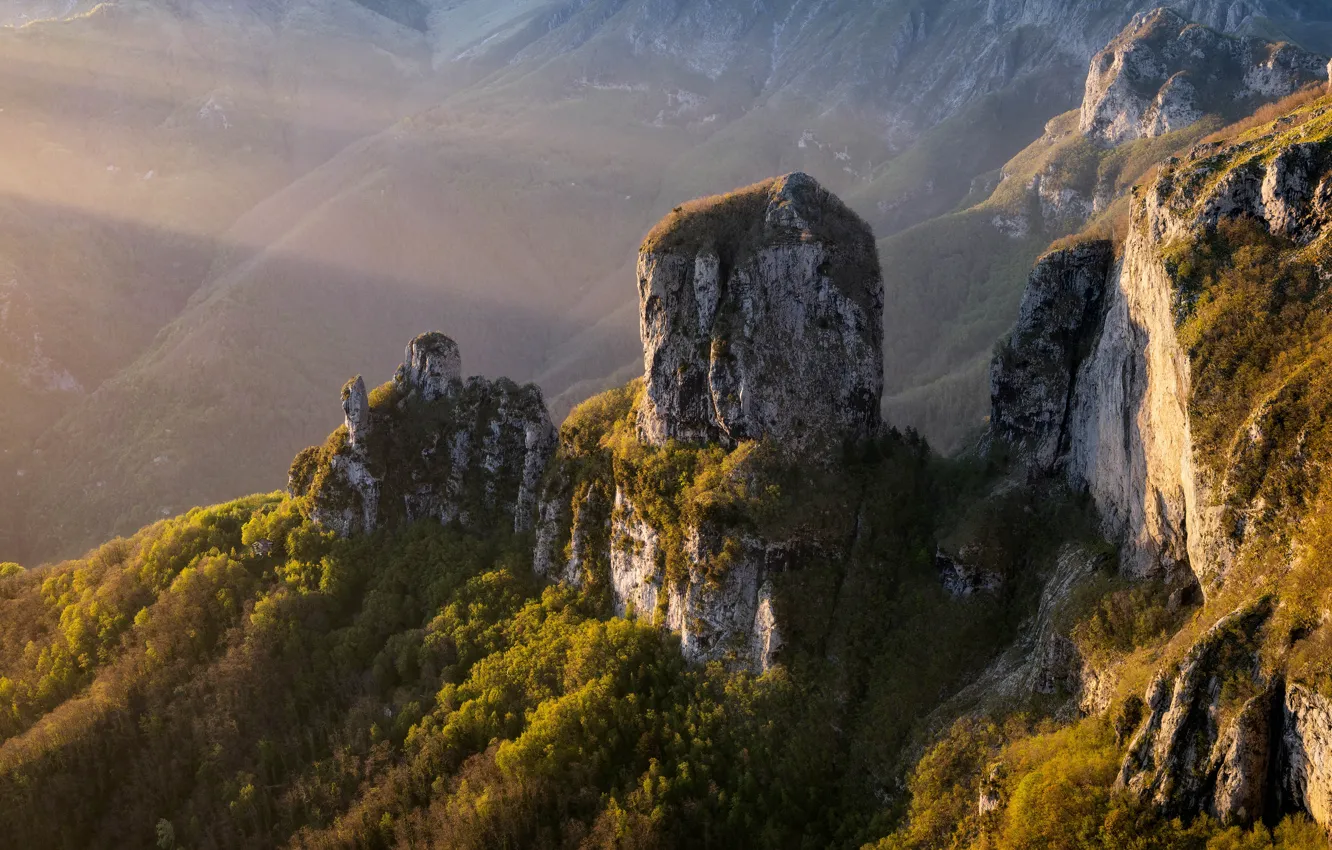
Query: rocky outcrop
x,y
428,445
1044,660
1164,72
1105,397
1197,750
1306,744
760,317
960,577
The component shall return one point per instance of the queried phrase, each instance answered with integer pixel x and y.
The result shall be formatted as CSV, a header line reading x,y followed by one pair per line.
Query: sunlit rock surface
x,y
1164,72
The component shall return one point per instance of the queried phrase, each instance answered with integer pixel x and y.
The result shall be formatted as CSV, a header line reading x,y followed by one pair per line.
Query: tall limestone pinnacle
x,y
761,314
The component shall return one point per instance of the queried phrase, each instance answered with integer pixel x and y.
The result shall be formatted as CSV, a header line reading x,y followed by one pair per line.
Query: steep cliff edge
x,y
1172,409
761,317
429,445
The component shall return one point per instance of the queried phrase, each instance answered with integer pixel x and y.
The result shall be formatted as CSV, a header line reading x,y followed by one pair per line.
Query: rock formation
x,y
1164,72
1306,746
760,313
1112,411
429,445
761,321
1197,749
1105,384
1031,378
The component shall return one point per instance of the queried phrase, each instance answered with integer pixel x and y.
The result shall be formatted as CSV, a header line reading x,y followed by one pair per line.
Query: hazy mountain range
x,y
237,204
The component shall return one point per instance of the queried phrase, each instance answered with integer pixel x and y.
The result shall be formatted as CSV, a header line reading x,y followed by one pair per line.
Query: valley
x,y
952,479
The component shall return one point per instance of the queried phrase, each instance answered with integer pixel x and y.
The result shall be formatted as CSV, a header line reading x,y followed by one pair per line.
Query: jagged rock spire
x,y
431,447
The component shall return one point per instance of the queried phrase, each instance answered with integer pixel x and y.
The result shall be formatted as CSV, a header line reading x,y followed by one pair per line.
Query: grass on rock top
x,y
734,226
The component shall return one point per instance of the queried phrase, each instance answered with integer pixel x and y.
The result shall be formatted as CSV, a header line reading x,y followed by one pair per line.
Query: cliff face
x,y
1165,72
1190,401
428,445
1126,433
761,321
760,314
1032,375
1194,752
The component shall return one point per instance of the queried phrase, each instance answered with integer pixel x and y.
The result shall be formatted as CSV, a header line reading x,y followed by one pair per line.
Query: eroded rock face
x,y
1306,744
431,366
1194,752
1164,72
1108,405
430,447
761,317
760,314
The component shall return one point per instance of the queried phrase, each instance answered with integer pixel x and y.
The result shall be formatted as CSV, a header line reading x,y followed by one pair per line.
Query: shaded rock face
x,y
960,578
1164,72
1195,752
1044,660
760,314
1031,379
430,447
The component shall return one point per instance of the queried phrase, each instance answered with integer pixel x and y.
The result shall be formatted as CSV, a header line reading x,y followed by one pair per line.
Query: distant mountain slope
x,y
545,138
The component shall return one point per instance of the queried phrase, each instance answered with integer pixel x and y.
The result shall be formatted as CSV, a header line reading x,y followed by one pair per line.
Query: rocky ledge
x,y
429,445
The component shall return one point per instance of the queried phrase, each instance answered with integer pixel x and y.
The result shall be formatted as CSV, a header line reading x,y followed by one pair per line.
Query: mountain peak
x,y
1164,72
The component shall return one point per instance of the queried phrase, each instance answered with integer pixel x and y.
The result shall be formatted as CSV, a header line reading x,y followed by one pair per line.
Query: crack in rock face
x,y
761,316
